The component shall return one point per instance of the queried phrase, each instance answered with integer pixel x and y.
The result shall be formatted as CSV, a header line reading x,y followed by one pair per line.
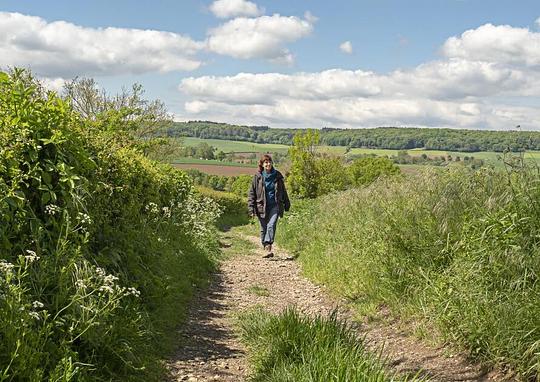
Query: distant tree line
x,y
396,138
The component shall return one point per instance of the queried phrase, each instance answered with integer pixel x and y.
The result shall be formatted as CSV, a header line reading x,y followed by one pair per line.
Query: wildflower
x,y
80,284
5,266
84,219
31,257
35,315
109,280
151,207
166,212
106,289
52,209
37,305
133,291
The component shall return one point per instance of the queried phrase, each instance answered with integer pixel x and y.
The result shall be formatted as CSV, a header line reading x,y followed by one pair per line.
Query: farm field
x,y
489,156
209,162
214,169
228,146
239,146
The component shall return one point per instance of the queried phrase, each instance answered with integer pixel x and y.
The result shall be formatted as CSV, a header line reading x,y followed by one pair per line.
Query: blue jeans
x,y
269,225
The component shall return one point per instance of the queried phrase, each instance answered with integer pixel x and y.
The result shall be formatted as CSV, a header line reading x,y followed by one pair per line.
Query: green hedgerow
x,y
100,248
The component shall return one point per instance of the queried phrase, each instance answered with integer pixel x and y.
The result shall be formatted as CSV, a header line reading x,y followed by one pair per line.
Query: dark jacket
x,y
257,196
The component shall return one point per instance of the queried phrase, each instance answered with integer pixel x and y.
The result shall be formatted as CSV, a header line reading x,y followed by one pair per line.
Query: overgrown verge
x,y
296,348
100,248
459,250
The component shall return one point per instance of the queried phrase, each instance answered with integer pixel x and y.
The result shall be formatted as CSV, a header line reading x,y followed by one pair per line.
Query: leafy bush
x,y
459,249
99,247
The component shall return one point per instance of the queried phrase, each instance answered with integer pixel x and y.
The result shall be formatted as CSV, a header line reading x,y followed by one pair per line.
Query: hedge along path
x,y
210,350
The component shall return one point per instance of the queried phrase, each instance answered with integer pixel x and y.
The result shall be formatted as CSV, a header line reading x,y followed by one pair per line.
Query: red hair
x,y
261,161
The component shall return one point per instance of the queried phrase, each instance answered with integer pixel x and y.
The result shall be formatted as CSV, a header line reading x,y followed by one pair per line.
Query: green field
x,y
228,146
238,146
209,162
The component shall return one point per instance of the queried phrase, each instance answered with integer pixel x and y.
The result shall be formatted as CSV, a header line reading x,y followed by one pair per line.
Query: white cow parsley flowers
x,y
6,267
52,209
31,256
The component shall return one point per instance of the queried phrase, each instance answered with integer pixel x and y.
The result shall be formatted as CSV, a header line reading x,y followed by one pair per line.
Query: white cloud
x,y
62,49
55,84
477,84
269,88
357,112
261,37
459,78
502,44
346,47
225,9
311,18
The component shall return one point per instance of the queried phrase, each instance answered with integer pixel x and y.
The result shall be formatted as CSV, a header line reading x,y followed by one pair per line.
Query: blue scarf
x,y
270,187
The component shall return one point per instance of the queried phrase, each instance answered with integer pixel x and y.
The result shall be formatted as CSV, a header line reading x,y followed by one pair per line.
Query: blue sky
x,y
435,63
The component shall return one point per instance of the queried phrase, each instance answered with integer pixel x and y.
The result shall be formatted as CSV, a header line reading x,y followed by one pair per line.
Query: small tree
x,y
125,119
204,151
304,177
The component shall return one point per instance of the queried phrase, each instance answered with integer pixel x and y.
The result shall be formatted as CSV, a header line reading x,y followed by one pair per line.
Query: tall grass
x,y
457,249
296,348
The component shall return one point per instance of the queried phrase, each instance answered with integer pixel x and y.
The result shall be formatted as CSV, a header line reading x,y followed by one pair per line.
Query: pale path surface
x,y
211,351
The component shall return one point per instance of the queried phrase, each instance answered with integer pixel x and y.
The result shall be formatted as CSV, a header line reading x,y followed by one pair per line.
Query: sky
x,y
471,64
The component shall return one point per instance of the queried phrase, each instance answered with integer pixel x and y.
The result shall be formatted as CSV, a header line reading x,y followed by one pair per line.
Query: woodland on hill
x,y
397,138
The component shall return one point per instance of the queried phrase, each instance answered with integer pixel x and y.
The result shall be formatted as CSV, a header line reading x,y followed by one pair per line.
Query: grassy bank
x,y
458,250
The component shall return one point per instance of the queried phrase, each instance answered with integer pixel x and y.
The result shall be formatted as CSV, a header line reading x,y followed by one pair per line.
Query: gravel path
x,y
211,352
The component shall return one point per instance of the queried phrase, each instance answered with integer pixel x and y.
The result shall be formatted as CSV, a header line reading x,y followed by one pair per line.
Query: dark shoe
x,y
268,250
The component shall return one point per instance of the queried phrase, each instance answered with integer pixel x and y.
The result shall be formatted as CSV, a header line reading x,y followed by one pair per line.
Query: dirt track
x,y
211,351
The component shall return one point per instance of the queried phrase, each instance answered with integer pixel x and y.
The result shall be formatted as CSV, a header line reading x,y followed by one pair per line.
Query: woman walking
x,y
268,200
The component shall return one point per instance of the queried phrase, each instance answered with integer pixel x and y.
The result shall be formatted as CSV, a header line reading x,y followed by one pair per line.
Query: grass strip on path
x,y
296,347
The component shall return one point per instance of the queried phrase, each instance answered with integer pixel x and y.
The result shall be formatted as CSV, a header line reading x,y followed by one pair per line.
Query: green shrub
x,y
99,247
